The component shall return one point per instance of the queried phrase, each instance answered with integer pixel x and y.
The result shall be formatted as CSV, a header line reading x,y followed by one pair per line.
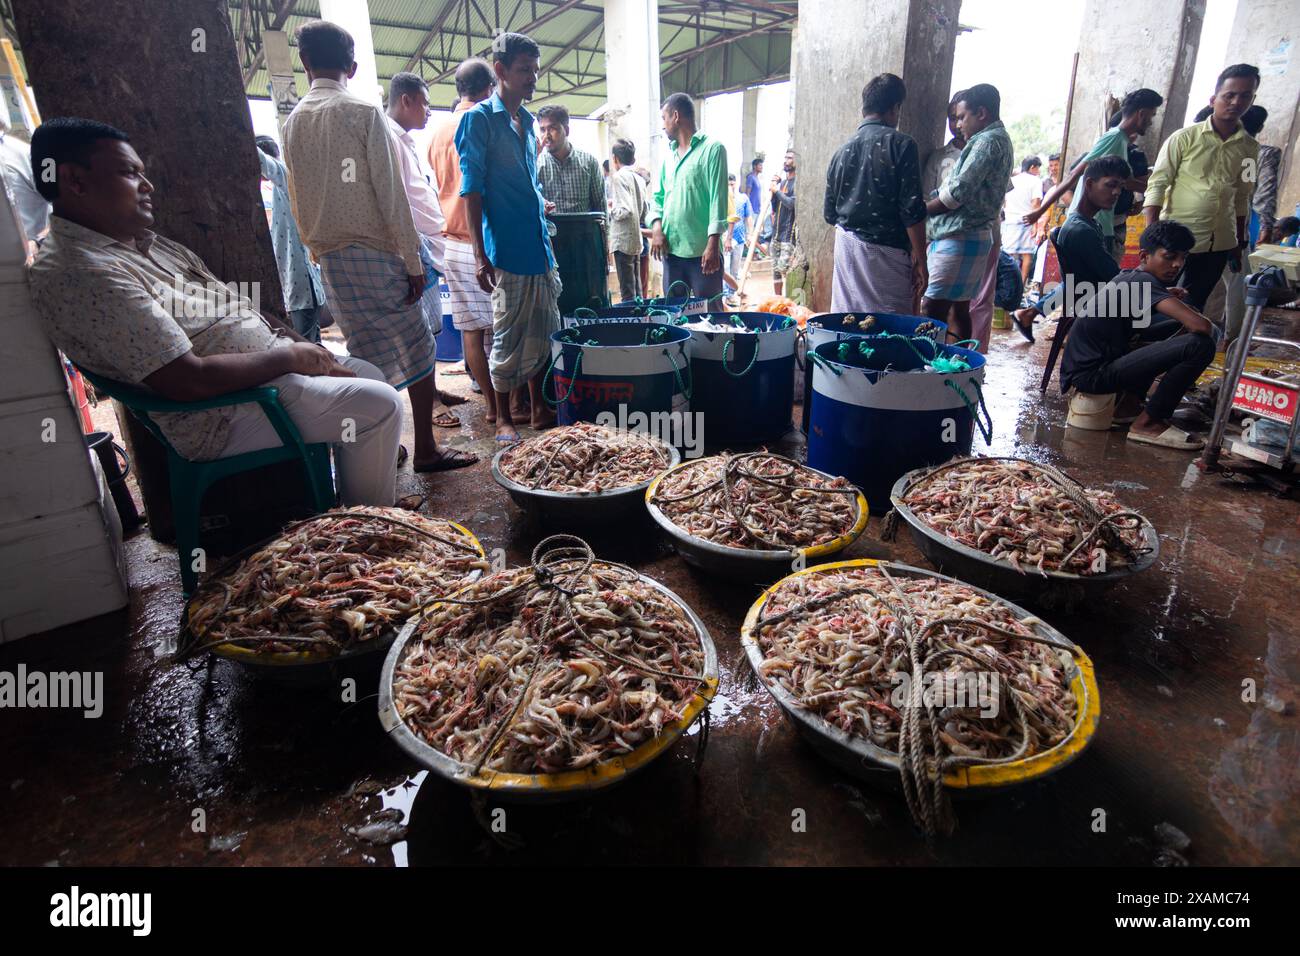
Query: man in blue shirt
x,y
304,295
507,220
754,187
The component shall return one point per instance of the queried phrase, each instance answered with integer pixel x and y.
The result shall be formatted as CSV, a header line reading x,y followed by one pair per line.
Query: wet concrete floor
x,y
202,764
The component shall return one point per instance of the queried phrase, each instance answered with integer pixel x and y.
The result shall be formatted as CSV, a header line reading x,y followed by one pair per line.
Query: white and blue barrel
x,y
885,405
618,368
834,326
624,312
742,377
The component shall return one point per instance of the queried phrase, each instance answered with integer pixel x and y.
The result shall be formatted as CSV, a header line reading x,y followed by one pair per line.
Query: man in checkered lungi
x,y
512,249
350,202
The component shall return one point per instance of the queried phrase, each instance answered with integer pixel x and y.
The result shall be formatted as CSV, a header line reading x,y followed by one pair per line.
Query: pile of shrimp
x,y
757,501
845,658
509,680
1014,511
333,581
583,457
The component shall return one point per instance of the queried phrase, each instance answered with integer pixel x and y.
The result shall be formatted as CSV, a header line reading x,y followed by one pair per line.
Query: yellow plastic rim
x,y
603,772
1083,684
813,551
290,658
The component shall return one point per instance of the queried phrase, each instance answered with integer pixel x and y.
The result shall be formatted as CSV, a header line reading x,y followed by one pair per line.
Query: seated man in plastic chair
x,y
1173,340
123,302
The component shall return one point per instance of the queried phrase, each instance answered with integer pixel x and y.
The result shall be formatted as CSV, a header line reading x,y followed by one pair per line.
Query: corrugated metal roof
x,y
399,27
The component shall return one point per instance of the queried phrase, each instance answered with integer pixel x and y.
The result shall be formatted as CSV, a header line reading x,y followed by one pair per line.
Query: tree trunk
x,y
168,74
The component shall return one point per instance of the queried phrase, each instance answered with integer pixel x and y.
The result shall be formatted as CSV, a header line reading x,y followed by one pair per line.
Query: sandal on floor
x,y
450,459
445,419
1169,438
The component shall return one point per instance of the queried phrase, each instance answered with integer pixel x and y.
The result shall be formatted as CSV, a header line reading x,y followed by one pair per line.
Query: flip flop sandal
x,y
449,460
1171,437
402,455
446,419
1027,331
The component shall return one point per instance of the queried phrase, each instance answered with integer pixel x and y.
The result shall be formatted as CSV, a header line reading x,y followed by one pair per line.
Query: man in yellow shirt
x,y
1204,177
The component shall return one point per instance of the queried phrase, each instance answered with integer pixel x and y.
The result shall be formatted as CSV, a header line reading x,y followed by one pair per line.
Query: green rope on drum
x,y
681,385
578,313
985,431
846,348
658,333
573,380
823,363
966,343
726,346
668,316
669,293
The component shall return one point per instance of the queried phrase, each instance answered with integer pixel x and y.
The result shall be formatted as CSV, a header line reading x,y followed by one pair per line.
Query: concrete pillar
x,y
284,84
836,52
1266,33
748,133
354,16
632,77
1127,46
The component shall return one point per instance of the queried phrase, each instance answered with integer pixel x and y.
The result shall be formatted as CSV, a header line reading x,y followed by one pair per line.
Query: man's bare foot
x,y
448,399
547,420
506,431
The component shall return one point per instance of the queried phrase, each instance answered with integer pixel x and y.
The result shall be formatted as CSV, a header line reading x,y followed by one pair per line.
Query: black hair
x,y
1029,162
473,77
508,46
326,46
681,104
756,162
882,93
1253,119
268,145
1202,114
1236,71
556,114
624,151
956,98
1105,166
66,139
1054,157
1168,234
406,84
1115,117
983,96
1142,99
1287,225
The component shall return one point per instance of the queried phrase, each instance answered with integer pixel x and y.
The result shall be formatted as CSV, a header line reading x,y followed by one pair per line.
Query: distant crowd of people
x,y
913,237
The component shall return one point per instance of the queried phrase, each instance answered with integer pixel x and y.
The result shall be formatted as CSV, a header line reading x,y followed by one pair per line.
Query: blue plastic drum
x,y
876,416
447,346
620,368
743,381
834,326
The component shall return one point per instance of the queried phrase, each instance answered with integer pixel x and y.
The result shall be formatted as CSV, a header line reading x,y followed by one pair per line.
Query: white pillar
x,y
748,132
632,76
354,16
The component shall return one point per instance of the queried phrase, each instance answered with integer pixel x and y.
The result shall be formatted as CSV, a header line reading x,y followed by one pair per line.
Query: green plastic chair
x,y
190,479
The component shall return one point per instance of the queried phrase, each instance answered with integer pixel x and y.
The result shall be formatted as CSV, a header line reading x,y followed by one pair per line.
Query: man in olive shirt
x,y
1200,179
688,212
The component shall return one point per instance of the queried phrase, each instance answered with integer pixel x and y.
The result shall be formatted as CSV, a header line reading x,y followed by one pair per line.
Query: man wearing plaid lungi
x,y
498,163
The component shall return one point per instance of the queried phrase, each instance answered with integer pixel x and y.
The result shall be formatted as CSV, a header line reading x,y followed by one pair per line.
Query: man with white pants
x,y
125,303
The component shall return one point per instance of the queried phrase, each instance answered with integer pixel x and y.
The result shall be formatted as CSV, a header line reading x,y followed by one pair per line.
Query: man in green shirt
x,y
1204,178
688,214
1137,113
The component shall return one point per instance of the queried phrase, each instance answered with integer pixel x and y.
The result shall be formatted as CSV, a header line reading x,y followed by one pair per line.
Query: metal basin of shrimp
x,y
843,647
582,475
547,682
327,591
755,516
1022,529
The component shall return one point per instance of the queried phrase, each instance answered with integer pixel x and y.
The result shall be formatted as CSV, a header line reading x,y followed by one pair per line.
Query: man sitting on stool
x,y
125,303
1176,344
